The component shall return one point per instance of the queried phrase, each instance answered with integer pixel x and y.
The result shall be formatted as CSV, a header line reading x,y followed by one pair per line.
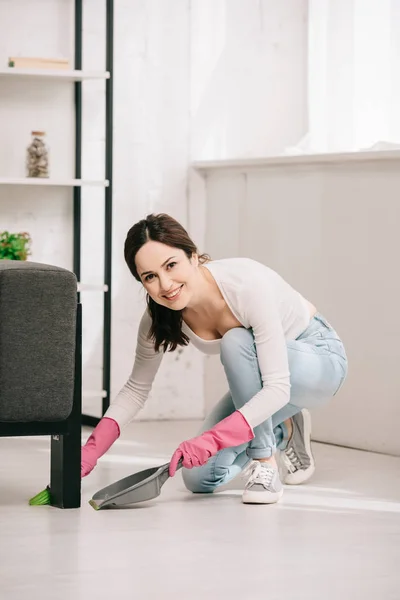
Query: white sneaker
x,y
297,456
263,485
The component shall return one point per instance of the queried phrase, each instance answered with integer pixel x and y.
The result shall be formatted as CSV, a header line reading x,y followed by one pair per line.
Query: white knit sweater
x,y
260,299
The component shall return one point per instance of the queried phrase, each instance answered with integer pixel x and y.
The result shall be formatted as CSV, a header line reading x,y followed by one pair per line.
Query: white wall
x,y
248,77
353,84
332,231
248,82
150,162
193,79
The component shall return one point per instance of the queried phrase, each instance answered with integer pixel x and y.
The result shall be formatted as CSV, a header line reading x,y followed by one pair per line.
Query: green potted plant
x,y
14,246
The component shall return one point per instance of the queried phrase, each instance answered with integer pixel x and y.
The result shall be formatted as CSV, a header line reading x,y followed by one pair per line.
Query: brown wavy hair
x,y
166,327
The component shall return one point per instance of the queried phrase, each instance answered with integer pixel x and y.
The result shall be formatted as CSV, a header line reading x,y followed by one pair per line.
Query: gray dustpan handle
x,y
164,475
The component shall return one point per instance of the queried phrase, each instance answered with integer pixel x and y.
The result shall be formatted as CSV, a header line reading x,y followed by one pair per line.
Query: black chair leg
x,y
65,470
65,474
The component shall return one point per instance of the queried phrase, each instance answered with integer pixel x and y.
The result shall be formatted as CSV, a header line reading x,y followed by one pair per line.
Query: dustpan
x,y
139,487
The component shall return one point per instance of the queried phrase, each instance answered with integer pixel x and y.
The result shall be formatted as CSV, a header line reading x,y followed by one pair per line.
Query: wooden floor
x,y
335,538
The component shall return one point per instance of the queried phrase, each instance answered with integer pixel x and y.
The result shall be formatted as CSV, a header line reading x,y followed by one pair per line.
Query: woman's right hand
x,y
101,439
88,460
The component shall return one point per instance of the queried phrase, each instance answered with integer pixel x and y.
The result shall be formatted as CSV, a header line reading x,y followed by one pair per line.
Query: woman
x,y
279,354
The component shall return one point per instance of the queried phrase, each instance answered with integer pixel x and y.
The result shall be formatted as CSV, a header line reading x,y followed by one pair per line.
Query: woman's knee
x,y
220,469
198,480
235,343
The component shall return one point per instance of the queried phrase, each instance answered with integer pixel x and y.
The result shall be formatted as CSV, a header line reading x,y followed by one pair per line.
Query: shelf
x,y
63,74
52,182
94,394
88,287
300,159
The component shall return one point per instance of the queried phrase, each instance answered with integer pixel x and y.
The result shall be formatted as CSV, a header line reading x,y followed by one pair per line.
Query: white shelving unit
x,y
63,74
52,182
42,83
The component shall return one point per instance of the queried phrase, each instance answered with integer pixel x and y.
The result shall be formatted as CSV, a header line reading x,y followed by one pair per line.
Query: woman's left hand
x,y
194,453
232,431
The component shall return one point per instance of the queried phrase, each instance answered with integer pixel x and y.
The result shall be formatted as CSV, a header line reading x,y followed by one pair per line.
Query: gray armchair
x,y
40,367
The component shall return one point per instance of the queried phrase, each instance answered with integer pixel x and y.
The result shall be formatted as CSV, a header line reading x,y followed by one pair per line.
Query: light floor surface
x,y
337,537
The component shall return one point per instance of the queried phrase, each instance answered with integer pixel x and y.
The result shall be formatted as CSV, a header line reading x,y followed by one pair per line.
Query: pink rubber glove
x,y
232,431
103,436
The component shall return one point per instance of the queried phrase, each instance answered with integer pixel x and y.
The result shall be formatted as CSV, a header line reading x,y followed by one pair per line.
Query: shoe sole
x,y
260,498
302,476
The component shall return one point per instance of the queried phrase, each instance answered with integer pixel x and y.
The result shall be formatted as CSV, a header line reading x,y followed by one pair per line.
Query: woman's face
x,y
167,274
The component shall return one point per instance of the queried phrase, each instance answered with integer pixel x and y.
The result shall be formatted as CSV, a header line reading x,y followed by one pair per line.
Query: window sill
x,y
298,159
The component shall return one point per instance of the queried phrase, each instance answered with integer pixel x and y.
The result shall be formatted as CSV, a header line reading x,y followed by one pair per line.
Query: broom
x,y
42,498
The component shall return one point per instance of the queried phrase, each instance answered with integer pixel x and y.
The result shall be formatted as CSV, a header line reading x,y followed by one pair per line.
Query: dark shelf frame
x,y
88,419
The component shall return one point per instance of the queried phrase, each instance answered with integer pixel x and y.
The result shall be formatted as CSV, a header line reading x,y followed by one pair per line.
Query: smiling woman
x,y
279,354
161,255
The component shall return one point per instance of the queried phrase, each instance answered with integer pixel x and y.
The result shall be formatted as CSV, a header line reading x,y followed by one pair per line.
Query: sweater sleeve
x,y
262,315
135,392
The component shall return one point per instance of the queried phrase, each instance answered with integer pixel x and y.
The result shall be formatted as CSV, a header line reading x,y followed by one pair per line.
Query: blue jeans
x,y
317,366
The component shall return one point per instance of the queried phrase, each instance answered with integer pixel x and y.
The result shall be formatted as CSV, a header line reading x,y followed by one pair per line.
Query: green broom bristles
x,y
42,498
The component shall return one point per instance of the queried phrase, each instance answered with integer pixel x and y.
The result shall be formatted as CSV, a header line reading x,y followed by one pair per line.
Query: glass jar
x,y
37,161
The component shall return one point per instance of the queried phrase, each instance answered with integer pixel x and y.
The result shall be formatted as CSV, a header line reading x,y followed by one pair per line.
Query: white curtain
x,y
353,74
